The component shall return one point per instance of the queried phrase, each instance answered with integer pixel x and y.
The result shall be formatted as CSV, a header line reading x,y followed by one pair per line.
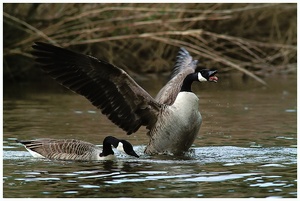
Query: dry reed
x,y
255,39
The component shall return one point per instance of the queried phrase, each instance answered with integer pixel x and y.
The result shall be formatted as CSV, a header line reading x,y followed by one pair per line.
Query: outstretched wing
x,y
184,65
106,86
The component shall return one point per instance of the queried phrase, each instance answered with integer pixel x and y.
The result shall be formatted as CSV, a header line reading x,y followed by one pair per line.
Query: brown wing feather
x,y
106,86
184,65
169,92
183,61
56,148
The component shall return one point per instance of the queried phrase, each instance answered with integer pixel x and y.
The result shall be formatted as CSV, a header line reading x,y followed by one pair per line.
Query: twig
x,y
194,48
131,36
29,27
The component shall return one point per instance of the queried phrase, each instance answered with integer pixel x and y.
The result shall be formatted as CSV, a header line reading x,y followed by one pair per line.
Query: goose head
x,y
127,148
203,75
121,145
207,75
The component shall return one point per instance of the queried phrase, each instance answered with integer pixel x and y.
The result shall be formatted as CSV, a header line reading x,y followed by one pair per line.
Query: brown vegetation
x,y
256,39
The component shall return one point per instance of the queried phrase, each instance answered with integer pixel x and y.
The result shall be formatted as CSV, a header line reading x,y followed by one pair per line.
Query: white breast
x,y
109,157
187,103
186,115
96,156
178,126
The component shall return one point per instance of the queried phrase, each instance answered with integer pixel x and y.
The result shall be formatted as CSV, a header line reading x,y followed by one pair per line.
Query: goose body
x,y
172,117
182,117
71,149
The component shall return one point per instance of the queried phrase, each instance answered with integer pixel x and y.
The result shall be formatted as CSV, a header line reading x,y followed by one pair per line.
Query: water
x,y
247,146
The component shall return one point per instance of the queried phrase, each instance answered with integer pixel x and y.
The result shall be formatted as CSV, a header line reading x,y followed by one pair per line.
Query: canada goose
x,y
173,118
70,149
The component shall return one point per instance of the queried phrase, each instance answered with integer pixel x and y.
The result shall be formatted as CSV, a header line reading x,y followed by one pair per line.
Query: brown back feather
x,y
60,148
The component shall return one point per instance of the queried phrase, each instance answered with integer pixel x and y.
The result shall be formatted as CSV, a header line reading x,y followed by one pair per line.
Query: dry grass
x,y
255,39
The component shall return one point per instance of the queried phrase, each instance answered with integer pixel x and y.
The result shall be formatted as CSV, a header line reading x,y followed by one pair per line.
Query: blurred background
x,y
257,40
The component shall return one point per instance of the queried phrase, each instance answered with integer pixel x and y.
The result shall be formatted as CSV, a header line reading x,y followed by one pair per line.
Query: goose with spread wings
x,y
172,117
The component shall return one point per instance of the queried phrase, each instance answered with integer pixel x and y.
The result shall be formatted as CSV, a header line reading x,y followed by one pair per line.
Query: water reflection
x,y
246,147
254,167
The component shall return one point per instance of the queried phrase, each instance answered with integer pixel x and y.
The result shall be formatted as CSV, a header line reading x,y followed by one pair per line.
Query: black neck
x,y
187,82
107,142
107,150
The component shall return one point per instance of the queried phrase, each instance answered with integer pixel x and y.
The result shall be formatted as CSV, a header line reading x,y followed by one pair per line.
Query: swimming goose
x,y
71,149
173,118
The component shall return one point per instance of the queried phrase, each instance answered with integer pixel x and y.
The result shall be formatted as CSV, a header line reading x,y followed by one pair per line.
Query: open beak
x,y
212,76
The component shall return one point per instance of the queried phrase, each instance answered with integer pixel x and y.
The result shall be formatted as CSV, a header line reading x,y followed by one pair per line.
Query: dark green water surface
x,y
246,147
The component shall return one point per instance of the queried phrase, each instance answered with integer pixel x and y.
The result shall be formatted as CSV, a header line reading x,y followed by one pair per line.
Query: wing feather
x,y
55,149
106,86
184,65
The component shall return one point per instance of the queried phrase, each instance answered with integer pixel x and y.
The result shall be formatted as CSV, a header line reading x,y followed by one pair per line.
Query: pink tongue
x,y
213,78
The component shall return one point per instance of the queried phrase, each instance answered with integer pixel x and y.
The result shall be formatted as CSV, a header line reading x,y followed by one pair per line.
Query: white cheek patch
x,y
120,147
201,78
